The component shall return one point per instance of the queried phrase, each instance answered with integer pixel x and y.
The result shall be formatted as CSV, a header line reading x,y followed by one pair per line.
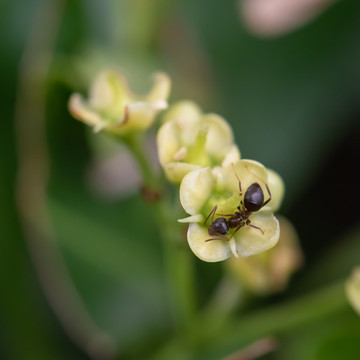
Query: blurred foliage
x,y
293,102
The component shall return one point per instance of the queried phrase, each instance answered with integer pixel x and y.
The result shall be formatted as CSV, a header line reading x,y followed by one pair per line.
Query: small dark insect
x,y
253,201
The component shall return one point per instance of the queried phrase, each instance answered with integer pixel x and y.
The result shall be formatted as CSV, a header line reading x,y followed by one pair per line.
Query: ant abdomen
x,y
254,198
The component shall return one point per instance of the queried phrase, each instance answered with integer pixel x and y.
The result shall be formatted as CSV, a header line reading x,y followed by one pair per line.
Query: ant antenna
x,y
267,187
212,213
232,164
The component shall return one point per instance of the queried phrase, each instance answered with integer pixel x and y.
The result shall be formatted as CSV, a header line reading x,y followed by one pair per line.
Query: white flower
x,y
190,140
113,107
204,192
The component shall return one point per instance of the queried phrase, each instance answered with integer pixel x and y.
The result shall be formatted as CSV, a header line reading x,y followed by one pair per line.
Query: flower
x,y
352,288
209,194
190,140
269,272
113,107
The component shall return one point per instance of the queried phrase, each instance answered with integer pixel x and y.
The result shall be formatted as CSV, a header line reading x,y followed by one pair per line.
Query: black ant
x,y
253,201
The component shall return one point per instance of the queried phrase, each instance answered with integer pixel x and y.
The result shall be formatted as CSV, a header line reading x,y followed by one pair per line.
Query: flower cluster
x,y
230,201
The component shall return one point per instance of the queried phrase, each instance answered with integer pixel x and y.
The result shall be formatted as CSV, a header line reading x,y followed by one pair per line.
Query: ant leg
x,y
242,205
269,199
238,228
256,227
248,222
218,238
225,214
212,213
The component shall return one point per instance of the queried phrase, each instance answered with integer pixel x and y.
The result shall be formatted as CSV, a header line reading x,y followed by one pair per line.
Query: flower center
x,y
226,202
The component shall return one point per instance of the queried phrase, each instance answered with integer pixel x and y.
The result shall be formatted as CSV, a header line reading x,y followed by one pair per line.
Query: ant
x,y
253,201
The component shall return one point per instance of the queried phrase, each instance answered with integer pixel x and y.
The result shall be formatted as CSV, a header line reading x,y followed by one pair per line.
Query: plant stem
x,y
177,260
214,341
179,266
135,143
279,319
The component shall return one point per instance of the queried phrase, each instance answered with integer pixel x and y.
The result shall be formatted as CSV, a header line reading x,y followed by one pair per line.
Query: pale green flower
x,y
113,107
203,189
190,140
269,271
352,288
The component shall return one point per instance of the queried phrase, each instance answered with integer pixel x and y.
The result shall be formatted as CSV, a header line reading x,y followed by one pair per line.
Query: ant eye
x,y
254,197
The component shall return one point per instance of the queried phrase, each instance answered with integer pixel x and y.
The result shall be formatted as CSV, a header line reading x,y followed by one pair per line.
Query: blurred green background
x,y
293,101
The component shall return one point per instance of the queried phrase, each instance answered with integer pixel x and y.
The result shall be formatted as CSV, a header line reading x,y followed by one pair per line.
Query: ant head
x,y
218,227
254,197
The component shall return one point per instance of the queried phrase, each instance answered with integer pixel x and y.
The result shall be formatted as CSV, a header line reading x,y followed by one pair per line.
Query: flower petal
x,y
211,251
219,137
248,172
277,189
168,143
251,241
183,112
109,90
195,189
161,88
186,118
141,115
231,156
82,112
192,219
175,171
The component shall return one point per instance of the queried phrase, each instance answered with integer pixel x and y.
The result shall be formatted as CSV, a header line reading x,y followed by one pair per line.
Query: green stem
x,y
177,259
179,266
279,319
215,341
135,143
